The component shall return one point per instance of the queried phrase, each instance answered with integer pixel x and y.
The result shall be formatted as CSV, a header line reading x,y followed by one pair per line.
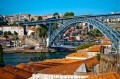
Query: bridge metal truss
x,y
104,28
54,36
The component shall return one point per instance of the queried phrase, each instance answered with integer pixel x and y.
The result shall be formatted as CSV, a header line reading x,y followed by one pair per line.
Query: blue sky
x,y
43,7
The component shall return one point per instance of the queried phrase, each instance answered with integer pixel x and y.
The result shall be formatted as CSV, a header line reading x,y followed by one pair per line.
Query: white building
x,y
18,29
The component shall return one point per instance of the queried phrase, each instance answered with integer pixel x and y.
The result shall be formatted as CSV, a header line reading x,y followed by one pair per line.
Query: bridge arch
x,y
104,28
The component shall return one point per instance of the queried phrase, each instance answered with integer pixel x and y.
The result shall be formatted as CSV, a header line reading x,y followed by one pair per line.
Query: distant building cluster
x,y
15,18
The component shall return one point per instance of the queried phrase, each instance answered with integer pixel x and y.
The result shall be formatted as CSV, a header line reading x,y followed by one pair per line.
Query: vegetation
x,y
7,33
94,33
14,24
68,14
29,16
32,19
15,33
56,13
98,57
25,20
3,23
1,56
39,18
83,46
42,32
54,26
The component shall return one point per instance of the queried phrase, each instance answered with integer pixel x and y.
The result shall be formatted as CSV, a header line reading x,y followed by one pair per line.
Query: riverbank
x,y
43,50
16,50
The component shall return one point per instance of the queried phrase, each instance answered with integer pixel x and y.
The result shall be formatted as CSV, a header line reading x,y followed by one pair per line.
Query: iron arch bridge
x,y
104,28
54,36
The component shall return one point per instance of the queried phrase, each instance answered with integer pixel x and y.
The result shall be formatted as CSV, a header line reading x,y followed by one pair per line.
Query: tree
x,y
15,33
1,56
54,26
5,32
25,20
42,32
29,16
9,33
14,24
98,57
68,14
39,18
56,13
32,19
83,46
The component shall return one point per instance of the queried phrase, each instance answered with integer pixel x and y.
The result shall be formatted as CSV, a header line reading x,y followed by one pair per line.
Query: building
x,y
49,16
44,17
77,69
93,50
18,18
18,29
36,18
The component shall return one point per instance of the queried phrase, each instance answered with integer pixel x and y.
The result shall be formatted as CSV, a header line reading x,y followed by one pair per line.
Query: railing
x,y
104,28
54,76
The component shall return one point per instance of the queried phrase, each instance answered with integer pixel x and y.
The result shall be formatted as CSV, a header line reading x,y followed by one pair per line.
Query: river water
x,y
16,58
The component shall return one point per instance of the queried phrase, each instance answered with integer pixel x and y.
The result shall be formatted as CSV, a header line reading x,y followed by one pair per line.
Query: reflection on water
x,y
16,58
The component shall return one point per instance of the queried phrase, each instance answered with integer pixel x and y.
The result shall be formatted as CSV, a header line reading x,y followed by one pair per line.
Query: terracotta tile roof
x,y
21,65
105,38
35,67
111,75
17,71
70,68
7,75
82,55
105,43
82,50
94,48
61,60
67,69
44,17
91,61
25,14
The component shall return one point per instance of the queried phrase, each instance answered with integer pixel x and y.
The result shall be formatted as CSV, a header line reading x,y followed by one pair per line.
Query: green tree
x,y
32,19
54,26
68,14
1,56
5,32
9,33
39,18
15,33
56,13
14,24
42,32
83,46
98,57
29,16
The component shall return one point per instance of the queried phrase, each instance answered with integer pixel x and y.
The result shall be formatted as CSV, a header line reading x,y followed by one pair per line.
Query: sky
x,y
44,7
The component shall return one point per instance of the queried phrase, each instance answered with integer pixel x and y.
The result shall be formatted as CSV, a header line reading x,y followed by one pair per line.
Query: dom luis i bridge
x,y
65,23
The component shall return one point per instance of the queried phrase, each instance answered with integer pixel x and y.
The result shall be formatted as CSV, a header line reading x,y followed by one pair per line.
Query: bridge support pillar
x,y
49,33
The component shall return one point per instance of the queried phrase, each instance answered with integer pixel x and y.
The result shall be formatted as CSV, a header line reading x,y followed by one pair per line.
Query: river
x,y
16,58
